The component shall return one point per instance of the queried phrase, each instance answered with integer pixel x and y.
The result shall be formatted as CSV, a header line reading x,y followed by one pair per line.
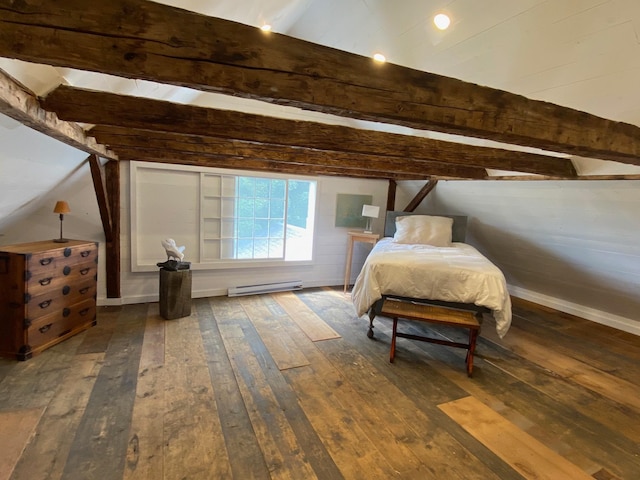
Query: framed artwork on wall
x,y
349,210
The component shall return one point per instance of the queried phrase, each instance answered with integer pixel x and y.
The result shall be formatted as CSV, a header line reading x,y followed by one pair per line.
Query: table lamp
x,y
370,211
61,207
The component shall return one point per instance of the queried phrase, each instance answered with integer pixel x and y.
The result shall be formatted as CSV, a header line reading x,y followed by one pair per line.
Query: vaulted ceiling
x,y
180,87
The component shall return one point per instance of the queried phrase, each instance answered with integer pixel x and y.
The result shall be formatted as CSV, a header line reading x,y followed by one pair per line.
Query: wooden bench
x,y
396,309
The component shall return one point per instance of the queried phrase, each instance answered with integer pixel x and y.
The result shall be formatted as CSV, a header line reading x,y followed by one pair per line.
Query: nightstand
x,y
356,237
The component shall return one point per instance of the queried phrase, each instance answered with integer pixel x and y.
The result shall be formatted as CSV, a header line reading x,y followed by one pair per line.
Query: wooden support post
x,y
391,195
421,195
175,293
112,181
101,196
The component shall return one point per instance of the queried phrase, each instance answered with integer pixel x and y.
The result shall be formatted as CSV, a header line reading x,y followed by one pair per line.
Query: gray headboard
x,y
459,224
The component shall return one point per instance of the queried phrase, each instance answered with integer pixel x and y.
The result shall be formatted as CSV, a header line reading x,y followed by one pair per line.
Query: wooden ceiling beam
x,y
105,108
120,138
146,40
240,163
22,105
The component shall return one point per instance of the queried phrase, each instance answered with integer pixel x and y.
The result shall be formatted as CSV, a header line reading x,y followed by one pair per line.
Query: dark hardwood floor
x,y
289,386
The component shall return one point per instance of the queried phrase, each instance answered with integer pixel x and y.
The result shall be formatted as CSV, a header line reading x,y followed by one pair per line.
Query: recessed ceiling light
x,y
442,21
266,27
380,58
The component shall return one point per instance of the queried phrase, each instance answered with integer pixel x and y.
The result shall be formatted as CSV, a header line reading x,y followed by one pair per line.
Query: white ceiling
x,y
583,54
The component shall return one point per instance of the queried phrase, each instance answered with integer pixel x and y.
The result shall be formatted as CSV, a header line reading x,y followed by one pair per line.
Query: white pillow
x,y
424,229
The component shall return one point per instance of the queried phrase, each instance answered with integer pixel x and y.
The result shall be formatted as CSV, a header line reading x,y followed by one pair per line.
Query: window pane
x,y
276,228
261,228
261,248
277,208
245,207
245,248
246,186
245,228
278,187
262,208
262,187
298,204
300,221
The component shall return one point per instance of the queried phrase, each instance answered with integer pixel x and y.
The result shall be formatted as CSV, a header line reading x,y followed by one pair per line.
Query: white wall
x,y
570,245
327,268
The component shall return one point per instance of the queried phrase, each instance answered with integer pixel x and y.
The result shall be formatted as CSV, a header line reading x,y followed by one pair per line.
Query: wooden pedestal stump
x,y
175,293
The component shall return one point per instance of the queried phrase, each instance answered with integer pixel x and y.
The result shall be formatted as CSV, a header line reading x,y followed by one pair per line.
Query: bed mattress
x,y
459,273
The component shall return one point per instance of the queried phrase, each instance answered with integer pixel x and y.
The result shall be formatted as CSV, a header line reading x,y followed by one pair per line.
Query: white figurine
x,y
172,250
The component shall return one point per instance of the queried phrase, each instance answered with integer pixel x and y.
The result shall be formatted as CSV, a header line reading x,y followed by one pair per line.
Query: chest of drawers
x,y
47,294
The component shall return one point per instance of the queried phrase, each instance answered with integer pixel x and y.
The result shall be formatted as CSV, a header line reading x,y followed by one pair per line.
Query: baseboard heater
x,y
264,288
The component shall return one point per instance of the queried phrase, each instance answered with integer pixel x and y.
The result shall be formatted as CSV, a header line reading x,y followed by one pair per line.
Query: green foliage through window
x,y
274,219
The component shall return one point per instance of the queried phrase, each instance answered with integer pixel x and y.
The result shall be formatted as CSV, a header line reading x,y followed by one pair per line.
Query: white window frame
x,y
199,261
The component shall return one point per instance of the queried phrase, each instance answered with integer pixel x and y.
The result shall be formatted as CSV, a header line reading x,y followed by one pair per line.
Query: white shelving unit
x,y
218,203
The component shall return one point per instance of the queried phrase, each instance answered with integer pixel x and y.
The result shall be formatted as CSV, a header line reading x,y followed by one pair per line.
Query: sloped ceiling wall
x,y
32,165
567,245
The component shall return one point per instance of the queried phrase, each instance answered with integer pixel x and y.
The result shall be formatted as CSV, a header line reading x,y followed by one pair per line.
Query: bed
x,y
438,269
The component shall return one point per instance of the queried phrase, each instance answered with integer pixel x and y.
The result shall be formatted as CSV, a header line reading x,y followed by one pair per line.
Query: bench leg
x,y
392,354
473,336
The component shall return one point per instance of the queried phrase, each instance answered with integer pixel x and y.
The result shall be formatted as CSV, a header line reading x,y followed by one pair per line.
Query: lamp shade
x,y
370,211
61,207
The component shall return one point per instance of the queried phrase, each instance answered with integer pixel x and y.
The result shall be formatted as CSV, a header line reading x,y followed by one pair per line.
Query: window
x,y
259,224
259,218
222,219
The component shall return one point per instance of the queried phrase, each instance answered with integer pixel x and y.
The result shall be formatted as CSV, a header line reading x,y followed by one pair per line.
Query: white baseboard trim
x,y
598,316
154,297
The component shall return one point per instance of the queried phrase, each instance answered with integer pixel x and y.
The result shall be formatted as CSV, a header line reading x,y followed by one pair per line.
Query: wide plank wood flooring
x,y
288,386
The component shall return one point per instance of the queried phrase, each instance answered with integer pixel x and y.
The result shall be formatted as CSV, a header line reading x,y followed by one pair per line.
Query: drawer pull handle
x,y
84,271
45,328
85,253
66,312
84,311
44,304
84,290
66,270
46,261
45,281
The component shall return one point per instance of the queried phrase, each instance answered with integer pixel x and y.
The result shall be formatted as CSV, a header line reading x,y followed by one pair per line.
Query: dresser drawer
x,y
53,300
56,280
59,261
60,323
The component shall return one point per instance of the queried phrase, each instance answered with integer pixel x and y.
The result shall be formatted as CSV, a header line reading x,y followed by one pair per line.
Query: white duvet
x,y
459,273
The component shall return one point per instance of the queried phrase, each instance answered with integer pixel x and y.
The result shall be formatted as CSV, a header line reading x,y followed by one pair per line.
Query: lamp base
x,y
61,240
368,228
